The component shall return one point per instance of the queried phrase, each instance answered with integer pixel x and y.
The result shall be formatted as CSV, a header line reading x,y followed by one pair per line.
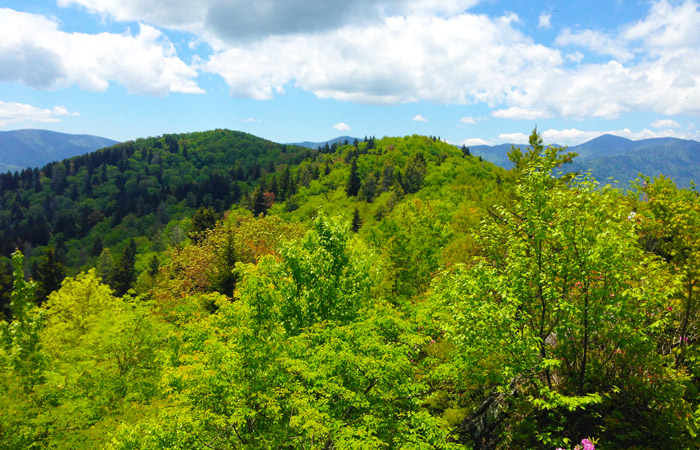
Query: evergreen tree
x,y
125,273
49,275
225,279
353,185
153,266
415,172
356,221
97,247
369,188
203,219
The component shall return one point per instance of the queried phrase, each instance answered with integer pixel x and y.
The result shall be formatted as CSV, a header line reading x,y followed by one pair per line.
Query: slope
x,y
33,148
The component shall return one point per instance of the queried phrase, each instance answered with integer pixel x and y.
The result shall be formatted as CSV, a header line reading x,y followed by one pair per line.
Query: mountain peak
x,y
33,148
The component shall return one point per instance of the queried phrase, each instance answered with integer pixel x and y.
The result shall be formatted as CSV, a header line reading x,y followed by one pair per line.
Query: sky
x,y
468,71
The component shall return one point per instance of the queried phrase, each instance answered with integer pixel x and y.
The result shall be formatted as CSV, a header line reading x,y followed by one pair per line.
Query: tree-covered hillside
x,y
393,293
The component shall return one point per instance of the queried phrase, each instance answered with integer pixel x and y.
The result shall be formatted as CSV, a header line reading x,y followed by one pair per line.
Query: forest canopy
x,y
389,293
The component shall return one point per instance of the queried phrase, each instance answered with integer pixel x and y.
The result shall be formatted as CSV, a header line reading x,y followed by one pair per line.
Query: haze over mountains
x,y
20,149
621,159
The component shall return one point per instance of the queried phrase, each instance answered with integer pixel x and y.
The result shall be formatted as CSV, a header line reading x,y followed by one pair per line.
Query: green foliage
x,y
564,306
19,340
536,152
352,187
124,274
203,219
49,275
441,321
301,359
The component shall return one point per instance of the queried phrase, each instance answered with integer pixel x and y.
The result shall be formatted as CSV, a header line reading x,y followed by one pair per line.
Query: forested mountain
x,y
677,159
21,149
87,203
622,159
398,293
337,141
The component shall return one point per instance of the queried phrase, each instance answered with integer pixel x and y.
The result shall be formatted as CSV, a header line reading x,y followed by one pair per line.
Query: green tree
x,y
535,152
565,307
124,274
105,362
302,359
368,188
356,223
352,187
49,275
414,174
226,258
204,219
19,339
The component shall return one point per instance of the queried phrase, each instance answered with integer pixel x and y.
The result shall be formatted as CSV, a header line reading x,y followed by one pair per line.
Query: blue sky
x,y
469,71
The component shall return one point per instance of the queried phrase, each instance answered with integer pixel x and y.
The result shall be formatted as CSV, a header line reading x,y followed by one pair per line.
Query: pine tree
x,y
356,221
353,185
259,203
153,266
225,279
49,275
125,273
203,219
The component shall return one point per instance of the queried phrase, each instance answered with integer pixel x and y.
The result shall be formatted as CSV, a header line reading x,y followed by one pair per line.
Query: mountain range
x,y
20,149
315,145
614,157
606,157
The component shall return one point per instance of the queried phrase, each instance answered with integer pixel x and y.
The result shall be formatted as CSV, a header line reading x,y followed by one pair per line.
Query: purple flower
x,y
587,445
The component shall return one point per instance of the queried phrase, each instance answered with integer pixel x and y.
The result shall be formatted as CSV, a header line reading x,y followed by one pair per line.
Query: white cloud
x,y
514,138
33,51
474,141
665,123
231,21
668,28
595,41
341,126
460,59
468,120
393,51
419,118
251,120
20,112
515,112
573,136
545,20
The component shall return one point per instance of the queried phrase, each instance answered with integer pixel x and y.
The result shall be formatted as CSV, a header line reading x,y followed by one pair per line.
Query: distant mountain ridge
x,y
316,145
621,159
33,148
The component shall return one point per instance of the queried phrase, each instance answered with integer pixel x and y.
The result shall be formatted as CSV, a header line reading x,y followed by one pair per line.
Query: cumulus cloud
x,y
392,51
419,118
515,112
230,21
573,136
514,138
467,120
341,126
20,112
33,51
665,123
595,41
668,27
474,141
